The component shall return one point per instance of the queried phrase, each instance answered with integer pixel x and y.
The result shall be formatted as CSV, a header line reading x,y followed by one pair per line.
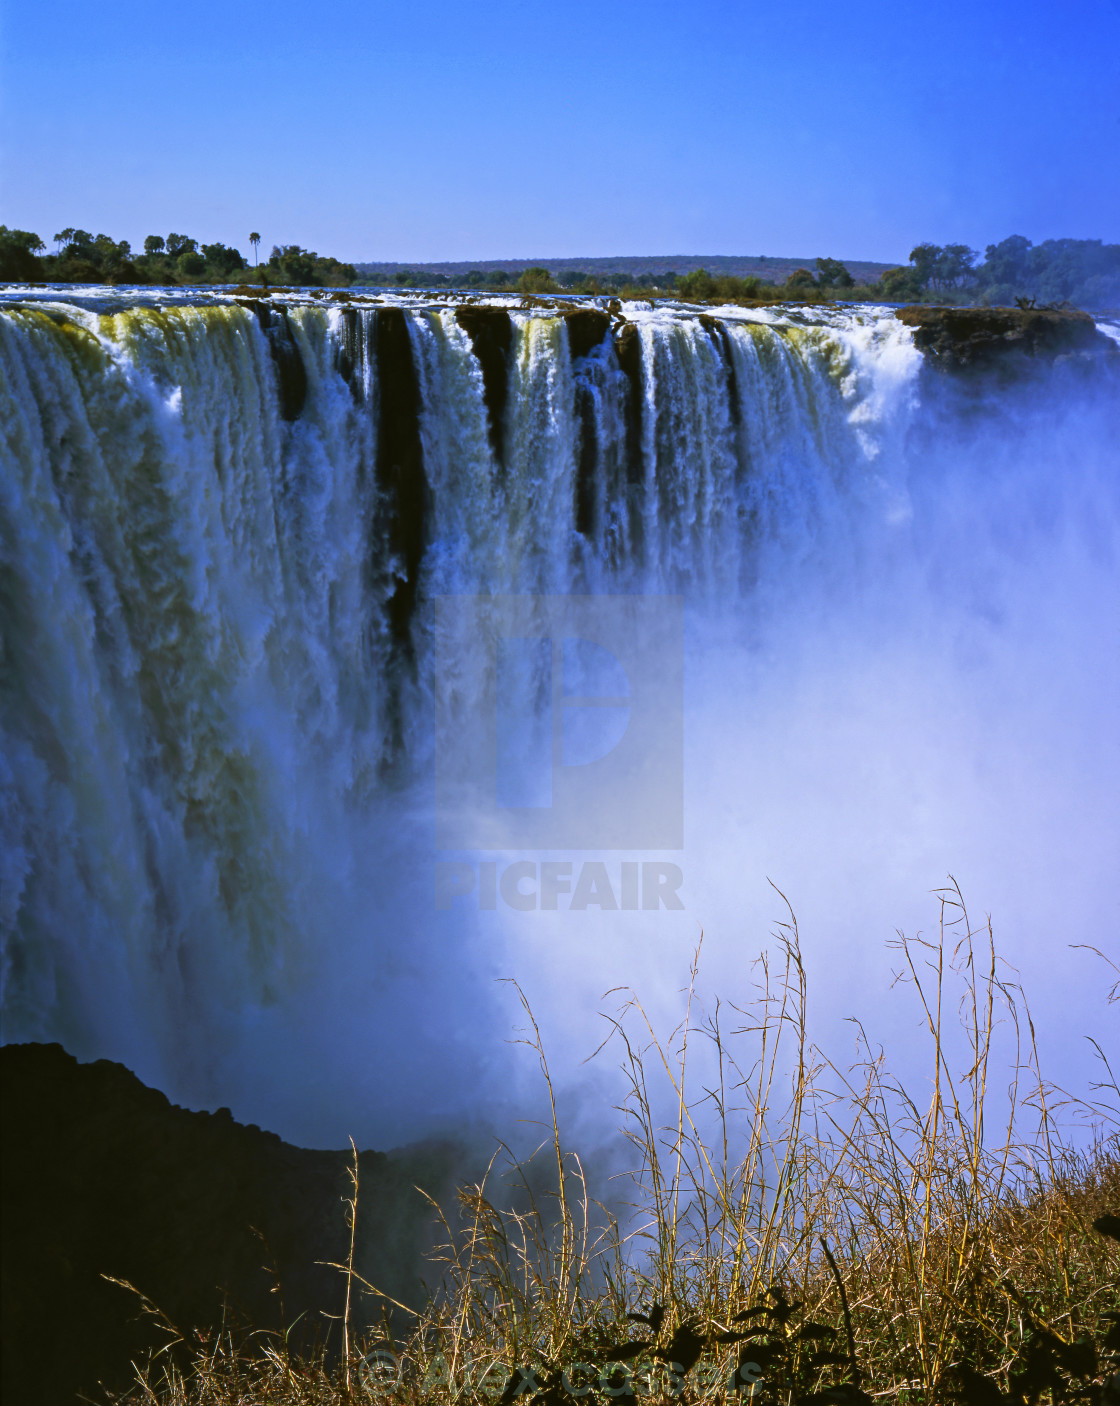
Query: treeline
x,y
1083,272
81,257
535,280
698,285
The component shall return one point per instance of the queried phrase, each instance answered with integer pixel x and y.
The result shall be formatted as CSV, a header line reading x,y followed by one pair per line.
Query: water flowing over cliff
x,y
224,525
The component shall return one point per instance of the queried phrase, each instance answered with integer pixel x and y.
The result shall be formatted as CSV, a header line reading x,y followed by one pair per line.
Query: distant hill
x,y
770,268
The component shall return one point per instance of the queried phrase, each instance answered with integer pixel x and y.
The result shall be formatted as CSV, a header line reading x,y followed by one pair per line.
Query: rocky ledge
x,y
205,1216
958,339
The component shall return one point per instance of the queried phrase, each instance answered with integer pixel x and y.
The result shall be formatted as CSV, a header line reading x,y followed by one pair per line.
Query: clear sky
x,y
436,129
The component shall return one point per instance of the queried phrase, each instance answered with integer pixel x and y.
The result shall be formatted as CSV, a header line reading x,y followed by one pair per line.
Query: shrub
x,y
900,285
697,286
536,280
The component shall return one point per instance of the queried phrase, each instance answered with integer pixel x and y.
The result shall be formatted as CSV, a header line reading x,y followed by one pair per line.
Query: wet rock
x,y
291,374
353,349
405,493
719,334
628,348
103,1176
586,329
491,334
957,339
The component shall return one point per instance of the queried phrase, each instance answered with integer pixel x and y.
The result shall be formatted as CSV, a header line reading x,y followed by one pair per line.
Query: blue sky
x,y
512,128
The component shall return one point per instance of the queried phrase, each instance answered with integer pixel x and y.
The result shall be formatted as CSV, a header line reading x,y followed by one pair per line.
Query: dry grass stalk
x,y
957,1236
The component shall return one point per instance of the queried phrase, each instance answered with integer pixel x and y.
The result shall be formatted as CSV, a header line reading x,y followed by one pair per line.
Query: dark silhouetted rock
x,y
102,1175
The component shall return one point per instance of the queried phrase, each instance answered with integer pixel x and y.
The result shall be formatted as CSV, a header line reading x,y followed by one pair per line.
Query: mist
x,y
898,663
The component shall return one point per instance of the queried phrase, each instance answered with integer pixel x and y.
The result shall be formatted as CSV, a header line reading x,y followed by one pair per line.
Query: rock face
x,y
956,339
291,374
102,1175
586,329
405,491
491,334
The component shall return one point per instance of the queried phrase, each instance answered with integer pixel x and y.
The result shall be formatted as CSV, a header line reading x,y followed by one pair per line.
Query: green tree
x,y
924,258
696,286
179,244
153,244
110,252
1007,262
901,285
294,265
76,243
18,250
190,263
536,280
254,240
222,260
954,267
801,279
831,273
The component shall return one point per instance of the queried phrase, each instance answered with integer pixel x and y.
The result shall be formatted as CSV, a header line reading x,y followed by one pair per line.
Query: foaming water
x,y
225,527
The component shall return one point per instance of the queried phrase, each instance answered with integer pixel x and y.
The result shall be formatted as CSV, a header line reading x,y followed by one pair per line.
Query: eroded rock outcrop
x,y
957,339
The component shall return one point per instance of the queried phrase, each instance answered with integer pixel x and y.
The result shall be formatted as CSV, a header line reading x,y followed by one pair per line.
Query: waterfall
x,y
226,528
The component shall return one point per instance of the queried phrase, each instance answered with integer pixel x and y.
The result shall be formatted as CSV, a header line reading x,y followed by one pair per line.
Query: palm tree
x,y
254,240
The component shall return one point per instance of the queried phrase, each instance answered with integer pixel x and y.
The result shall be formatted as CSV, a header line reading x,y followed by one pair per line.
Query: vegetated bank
x,y
82,257
1081,272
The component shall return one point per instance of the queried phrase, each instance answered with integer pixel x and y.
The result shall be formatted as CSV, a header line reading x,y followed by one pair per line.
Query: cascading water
x,y
224,530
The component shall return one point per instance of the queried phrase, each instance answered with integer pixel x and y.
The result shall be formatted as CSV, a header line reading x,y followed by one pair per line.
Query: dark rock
x,y
1108,1225
291,375
719,334
405,494
586,329
491,334
628,348
353,349
957,339
103,1176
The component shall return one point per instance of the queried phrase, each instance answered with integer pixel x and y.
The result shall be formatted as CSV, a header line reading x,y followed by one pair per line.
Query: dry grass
x,y
793,1230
